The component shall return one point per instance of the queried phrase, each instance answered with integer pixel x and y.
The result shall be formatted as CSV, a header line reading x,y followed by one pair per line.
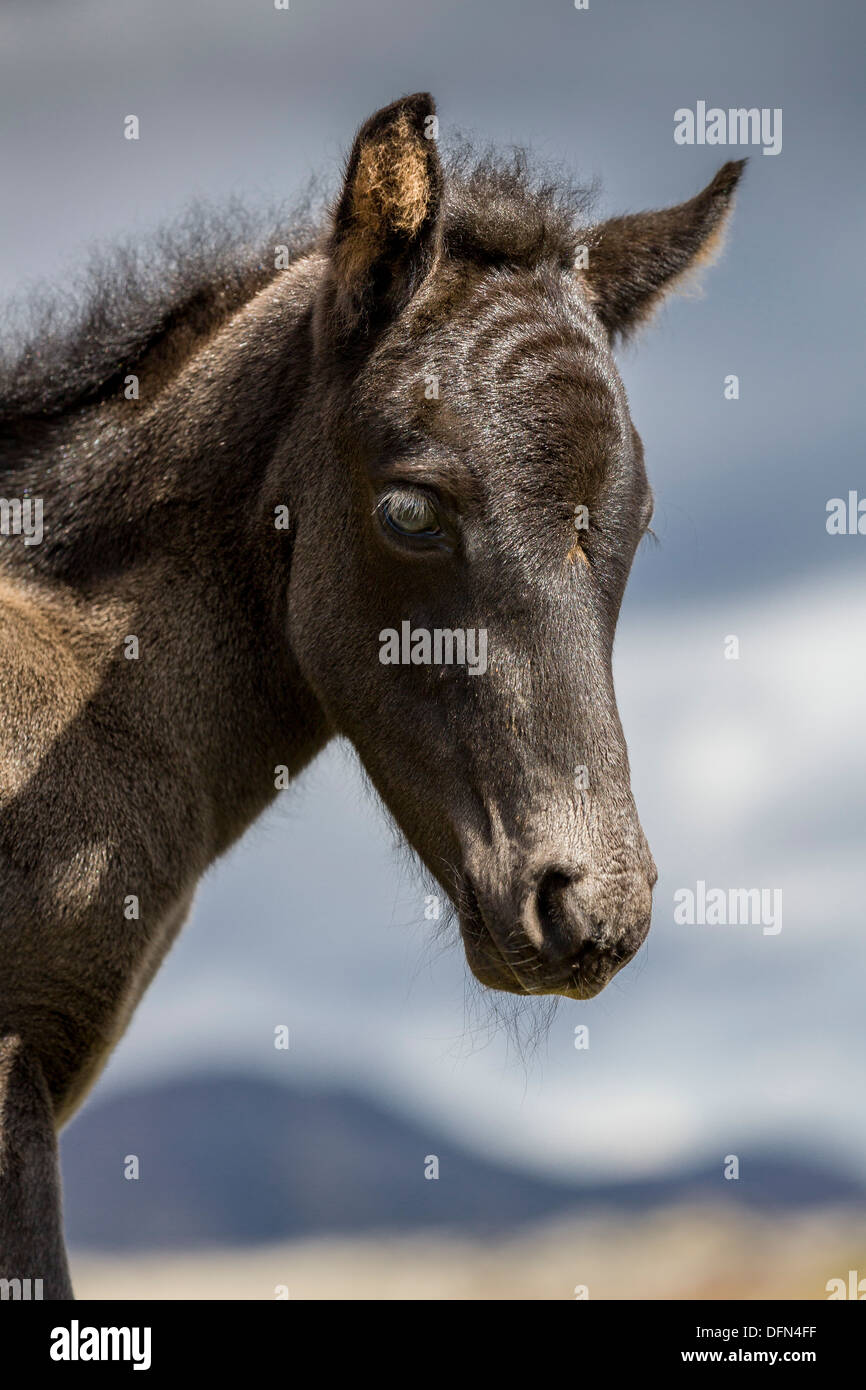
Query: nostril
x,y
596,927
552,911
566,926
569,927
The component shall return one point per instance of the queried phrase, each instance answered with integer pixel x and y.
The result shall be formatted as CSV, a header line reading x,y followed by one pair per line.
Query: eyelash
x,y
442,540
414,498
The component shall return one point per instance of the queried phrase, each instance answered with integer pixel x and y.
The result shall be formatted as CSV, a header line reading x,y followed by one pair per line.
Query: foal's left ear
x,y
634,261
386,227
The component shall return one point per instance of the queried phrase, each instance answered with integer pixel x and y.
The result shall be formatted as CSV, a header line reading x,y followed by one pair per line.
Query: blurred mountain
x,y
238,1160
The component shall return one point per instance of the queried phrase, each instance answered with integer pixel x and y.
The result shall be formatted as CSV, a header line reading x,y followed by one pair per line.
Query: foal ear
x,y
634,261
386,226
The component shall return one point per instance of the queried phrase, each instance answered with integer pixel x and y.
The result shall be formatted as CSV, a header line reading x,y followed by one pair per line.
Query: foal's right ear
x,y
386,225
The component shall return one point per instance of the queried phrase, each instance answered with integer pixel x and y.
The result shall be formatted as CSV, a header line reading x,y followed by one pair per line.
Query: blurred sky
x,y
746,773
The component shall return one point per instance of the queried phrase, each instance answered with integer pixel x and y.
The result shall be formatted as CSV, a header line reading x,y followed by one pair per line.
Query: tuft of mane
x,y
74,348
505,209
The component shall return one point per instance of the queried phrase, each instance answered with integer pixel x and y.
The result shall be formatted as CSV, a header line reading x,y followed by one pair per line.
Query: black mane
x,y
73,348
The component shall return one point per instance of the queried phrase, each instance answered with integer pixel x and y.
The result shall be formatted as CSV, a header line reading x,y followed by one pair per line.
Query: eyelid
x,y
456,488
386,506
395,490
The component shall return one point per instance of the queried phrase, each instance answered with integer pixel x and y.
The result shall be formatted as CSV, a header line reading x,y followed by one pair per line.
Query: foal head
x,y
472,504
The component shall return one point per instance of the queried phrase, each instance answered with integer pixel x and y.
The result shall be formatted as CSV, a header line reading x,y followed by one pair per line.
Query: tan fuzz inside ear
x,y
392,186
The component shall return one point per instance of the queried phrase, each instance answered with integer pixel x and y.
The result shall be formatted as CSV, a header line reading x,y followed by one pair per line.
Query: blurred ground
x,y
674,1253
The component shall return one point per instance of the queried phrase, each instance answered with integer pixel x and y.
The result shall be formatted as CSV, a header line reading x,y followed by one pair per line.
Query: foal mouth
x,y
486,960
586,976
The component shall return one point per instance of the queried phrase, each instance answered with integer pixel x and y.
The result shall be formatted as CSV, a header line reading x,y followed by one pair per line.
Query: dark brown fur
x,y
305,388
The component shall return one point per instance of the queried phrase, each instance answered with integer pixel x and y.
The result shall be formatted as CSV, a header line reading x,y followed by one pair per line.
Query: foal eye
x,y
410,512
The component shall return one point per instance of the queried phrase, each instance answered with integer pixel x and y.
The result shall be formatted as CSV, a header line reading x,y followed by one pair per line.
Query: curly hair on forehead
x,y
507,207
